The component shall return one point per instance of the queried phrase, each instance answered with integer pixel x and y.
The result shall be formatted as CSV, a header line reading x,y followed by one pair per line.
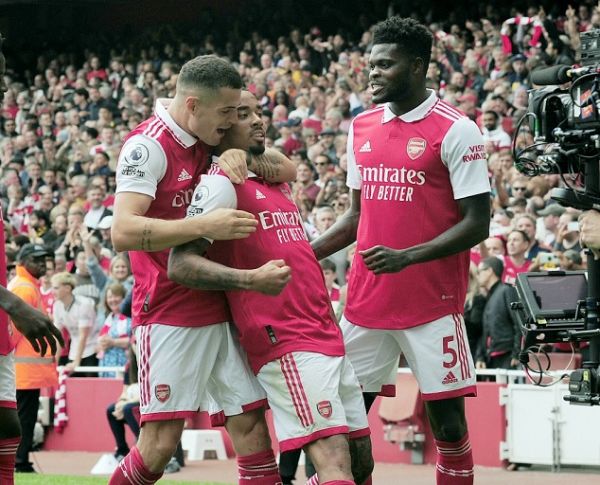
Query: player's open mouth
x,y
258,135
376,88
221,131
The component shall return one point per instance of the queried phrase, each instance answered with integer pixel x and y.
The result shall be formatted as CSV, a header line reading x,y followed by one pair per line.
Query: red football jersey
x,y
163,161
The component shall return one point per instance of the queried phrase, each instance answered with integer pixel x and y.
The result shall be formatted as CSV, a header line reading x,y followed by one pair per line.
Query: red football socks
x,y
8,451
132,471
454,463
258,469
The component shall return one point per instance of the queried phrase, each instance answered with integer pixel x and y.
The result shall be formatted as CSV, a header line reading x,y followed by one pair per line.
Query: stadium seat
x,y
201,444
402,417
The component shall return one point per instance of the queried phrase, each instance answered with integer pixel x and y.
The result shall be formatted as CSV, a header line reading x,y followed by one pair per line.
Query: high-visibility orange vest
x,y
33,371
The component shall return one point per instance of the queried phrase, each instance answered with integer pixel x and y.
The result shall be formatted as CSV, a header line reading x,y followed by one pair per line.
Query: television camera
x,y
564,119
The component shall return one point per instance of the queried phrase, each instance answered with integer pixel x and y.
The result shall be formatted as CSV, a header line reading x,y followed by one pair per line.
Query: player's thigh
x,y
374,355
303,393
175,365
438,354
352,399
233,387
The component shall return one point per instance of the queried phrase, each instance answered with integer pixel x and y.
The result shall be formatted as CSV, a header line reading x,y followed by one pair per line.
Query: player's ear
x,y
418,66
191,103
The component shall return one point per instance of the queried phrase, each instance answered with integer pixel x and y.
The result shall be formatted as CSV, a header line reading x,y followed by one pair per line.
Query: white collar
x,y
160,110
414,114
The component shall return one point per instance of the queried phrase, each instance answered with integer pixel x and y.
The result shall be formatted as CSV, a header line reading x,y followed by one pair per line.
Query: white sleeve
x,y
88,315
505,140
353,179
463,153
142,165
213,192
57,316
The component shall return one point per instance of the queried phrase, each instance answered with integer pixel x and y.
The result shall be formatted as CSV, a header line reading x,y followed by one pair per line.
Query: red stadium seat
x,y
403,417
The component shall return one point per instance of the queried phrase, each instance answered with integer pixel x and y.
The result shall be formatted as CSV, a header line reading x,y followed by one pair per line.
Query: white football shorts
x,y
180,366
313,396
437,353
8,393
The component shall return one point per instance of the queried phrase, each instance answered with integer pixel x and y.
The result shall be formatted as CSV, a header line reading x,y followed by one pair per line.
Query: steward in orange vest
x,y
32,370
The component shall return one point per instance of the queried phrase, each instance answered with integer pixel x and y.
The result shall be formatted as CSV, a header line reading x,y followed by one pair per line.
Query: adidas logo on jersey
x,y
450,378
366,147
260,195
184,175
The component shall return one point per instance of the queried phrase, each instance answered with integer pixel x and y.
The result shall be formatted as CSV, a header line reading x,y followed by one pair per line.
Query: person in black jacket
x,y
474,307
501,339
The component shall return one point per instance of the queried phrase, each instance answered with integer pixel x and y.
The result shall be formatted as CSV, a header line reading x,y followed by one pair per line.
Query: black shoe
x,y
24,468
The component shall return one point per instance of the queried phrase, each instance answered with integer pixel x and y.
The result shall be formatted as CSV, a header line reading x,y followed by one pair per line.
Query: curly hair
x,y
411,37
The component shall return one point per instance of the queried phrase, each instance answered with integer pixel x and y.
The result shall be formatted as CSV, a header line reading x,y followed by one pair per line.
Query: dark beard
x,y
401,92
257,149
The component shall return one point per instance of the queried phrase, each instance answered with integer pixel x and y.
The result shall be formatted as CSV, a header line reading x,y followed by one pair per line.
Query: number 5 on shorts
x,y
448,350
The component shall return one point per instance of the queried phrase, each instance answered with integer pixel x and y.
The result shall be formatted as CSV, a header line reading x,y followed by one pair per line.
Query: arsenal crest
x,y
162,392
324,408
415,148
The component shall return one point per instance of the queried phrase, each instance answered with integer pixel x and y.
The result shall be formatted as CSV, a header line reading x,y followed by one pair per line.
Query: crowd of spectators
x,y
62,125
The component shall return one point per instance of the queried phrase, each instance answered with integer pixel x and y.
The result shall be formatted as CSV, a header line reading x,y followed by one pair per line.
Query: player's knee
x,y
158,441
362,459
251,427
451,431
447,418
250,422
331,452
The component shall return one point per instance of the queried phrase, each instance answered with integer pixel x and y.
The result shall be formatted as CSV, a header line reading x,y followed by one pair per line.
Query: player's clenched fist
x,y
271,277
224,224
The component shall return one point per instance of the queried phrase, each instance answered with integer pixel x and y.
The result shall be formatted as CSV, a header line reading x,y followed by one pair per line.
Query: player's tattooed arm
x,y
146,242
272,165
188,267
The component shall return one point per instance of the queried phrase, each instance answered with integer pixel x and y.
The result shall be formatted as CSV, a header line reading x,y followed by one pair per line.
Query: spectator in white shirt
x,y
78,315
493,132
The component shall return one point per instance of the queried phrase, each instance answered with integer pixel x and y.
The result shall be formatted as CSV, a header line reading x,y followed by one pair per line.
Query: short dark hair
x,y
495,263
526,238
412,37
82,92
90,130
209,72
43,216
327,264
